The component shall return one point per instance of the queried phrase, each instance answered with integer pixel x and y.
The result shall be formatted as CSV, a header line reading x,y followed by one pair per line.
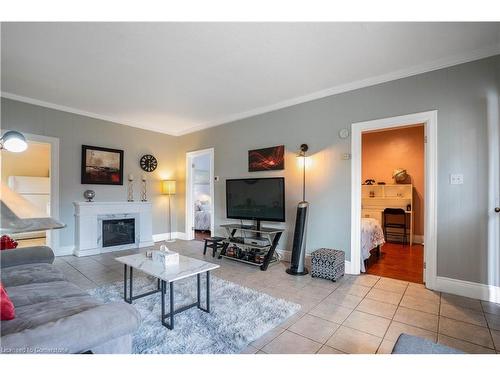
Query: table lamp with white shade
x,y
168,188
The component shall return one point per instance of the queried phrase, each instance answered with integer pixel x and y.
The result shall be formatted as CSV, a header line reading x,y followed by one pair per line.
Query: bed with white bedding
x,y
372,236
202,215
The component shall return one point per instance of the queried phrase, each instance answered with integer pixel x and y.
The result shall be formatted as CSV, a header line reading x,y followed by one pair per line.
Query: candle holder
x,y
130,194
144,196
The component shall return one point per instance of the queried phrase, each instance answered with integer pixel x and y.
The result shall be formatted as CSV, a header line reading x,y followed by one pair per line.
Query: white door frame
x,y
189,191
493,119
429,119
52,235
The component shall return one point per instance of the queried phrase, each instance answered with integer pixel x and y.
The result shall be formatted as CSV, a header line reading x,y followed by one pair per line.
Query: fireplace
x,y
117,232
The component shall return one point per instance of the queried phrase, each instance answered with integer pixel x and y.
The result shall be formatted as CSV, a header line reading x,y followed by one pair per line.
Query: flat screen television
x,y
256,199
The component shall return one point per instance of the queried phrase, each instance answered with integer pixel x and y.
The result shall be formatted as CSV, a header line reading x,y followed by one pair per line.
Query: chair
x,y
214,243
395,224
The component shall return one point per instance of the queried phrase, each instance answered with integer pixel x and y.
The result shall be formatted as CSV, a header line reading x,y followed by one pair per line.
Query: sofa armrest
x,y
76,333
26,255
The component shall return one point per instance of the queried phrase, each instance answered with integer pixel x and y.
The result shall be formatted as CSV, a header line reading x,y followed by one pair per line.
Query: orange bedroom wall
x,y
384,151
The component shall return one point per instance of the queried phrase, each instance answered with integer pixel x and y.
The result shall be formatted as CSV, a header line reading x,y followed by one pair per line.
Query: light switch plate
x,y
456,179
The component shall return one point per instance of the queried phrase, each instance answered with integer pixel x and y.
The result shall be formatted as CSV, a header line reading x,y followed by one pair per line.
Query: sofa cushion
x,y
30,273
29,294
34,315
7,311
77,333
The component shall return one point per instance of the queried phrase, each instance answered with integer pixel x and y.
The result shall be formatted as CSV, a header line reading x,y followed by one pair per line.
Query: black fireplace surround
x,y
117,232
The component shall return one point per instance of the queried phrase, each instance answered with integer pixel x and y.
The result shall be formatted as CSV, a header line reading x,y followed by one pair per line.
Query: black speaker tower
x,y
298,267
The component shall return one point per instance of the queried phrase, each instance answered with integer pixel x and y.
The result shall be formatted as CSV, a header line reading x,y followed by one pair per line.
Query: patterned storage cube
x,y
328,264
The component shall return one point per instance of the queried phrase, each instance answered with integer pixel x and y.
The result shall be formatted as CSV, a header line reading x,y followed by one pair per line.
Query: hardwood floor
x,y
399,262
200,235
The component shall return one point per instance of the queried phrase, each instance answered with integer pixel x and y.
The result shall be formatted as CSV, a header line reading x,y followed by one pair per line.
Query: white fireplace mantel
x,y
88,225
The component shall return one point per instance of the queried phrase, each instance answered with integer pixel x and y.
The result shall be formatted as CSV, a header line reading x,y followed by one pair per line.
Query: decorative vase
x,y
89,195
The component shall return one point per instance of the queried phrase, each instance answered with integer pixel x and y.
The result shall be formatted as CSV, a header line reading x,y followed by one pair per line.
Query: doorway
x,y
33,174
397,195
392,196
199,194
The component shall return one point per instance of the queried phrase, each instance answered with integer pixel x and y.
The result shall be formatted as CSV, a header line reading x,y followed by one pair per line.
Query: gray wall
x,y
73,131
459,95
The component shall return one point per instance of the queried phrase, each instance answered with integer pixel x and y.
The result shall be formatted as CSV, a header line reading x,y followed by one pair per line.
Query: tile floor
x,y
359,314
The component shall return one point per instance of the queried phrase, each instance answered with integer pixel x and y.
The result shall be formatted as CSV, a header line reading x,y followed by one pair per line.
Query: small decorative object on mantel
x,y
89,195
130,197
144,197
381,183
369,182
266,159
148,163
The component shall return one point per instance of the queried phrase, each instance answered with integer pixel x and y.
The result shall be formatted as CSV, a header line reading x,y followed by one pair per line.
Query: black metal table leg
x,y
162,299
269,256
131,296
223,250
131,275
172,309
125,284
198,290
208,292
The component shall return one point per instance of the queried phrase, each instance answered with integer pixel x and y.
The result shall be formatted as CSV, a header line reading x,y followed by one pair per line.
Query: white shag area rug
x,y
238,316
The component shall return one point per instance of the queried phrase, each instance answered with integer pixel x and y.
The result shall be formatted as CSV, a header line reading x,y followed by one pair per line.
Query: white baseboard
x,y
469,289
86,252
61,251
70,249
348,268
286,255
165,236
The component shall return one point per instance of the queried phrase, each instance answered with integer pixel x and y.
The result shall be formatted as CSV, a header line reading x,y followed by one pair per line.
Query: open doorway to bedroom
x,y
392,202
200,194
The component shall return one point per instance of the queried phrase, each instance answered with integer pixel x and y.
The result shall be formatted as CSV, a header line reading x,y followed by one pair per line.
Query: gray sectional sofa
x,y
54,315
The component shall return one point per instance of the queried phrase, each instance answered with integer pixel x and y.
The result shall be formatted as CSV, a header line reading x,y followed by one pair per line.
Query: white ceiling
x,y
176,78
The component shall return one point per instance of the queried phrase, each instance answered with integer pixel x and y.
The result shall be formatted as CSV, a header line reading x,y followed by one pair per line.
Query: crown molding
x,y
351,86
355,85
76,111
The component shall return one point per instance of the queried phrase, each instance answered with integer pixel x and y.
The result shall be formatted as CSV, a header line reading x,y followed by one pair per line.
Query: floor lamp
x,y
168,188
297,265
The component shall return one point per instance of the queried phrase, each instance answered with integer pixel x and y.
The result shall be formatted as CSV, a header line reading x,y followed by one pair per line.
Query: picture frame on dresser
x,y
101,166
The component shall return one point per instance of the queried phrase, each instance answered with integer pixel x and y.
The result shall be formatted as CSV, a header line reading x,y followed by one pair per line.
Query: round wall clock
x,y
148,163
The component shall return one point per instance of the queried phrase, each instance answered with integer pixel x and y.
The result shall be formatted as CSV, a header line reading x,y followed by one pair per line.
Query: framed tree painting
x,y
266,159
103,166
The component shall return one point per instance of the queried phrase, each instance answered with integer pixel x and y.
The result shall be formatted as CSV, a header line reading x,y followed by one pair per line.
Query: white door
x,y
493,189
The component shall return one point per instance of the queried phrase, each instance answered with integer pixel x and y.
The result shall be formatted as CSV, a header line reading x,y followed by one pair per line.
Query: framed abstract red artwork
x,y
102,166
266,159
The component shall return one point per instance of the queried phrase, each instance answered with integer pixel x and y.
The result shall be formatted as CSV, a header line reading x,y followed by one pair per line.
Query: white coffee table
x,y
187,267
